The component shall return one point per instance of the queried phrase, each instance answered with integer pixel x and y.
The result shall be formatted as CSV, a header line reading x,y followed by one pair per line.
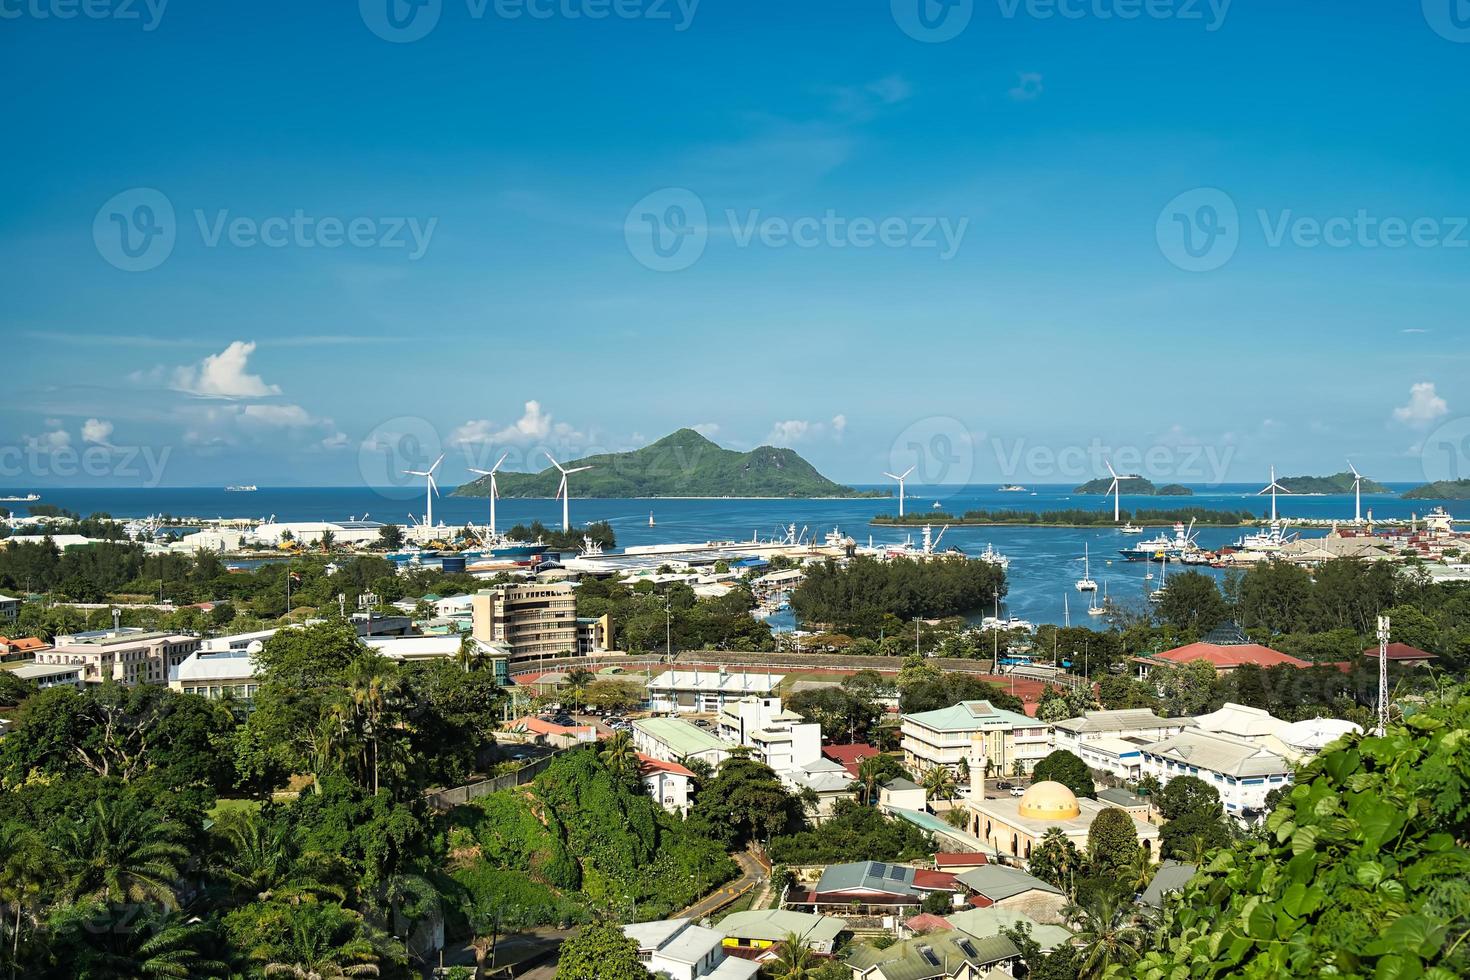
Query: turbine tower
x,y
1273,488
563,492
494,489
900,477
1357,494
430,488
1115,489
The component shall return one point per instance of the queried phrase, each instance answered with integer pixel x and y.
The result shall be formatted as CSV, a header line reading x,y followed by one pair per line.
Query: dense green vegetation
x,y
599,532
1336,483
1440,490
1076,517
1138,485
855,598
681,464
853,833
647,619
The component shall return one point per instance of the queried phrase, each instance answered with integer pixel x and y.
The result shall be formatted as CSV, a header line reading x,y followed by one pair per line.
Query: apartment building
x,y
1130,724
126,655
1242,772
976,732
781,738
534,621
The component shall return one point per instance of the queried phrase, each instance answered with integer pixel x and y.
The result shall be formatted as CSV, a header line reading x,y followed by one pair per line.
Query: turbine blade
x,y
499,461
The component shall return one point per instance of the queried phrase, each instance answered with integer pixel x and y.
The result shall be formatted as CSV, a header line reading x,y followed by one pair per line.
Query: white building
x,y
9,607
781,738
670,784
829,780
273,534
1241,721
675,740
234,642
973,733
1121,757
214,676
126,655
1241,771
685,951
1126,723
52,675
707,691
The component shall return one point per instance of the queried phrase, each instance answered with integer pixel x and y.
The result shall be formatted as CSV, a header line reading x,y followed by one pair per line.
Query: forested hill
x,y
1336,483
682,464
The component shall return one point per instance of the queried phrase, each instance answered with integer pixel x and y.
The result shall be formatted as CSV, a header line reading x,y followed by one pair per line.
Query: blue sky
x,y
1030,307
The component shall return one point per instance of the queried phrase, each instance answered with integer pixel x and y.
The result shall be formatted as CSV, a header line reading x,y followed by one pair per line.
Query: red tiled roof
x,y
849,756
934,880
1231,655
647,764
927,922
961,859
21,643
1401,651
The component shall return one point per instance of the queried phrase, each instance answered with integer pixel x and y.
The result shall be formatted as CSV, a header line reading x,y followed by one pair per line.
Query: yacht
x,y
1086,583
650,519
1013,488
1162,548
26,499
1130,528
1097,610
993,557
241,488
1271,539
1009,623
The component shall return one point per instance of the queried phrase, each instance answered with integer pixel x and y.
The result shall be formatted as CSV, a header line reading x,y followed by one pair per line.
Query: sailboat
x,y
1158,593
1086,583
650,519
1095,609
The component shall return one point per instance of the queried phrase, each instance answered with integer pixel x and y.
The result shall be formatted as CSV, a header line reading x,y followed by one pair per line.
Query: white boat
x,y
936,505
1094,609
993,557
1158,594
650,519
1086,583
26,499
1130,528
241,488
1009,623
1162,548
1013,488
1271,539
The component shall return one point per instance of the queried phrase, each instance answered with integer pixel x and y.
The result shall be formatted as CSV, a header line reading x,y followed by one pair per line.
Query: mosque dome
x,y
1049,800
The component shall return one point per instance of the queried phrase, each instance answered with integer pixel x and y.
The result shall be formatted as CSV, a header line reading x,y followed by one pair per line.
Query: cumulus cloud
x,y
223,375
792,431
534,426
707,429
259,423
53,440
97,431
1424,406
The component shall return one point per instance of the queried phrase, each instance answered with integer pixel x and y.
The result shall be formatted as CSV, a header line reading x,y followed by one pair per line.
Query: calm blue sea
x,y
1044,561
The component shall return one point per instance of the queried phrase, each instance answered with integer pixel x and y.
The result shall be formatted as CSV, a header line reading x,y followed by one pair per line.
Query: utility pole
x,y
1382,675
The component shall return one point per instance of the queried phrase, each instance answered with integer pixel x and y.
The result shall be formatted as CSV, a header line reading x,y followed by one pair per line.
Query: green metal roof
x,y
681,736
934,955
969,716
773,925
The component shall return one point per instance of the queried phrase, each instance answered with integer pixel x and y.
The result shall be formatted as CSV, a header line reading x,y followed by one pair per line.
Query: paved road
x,y
752,872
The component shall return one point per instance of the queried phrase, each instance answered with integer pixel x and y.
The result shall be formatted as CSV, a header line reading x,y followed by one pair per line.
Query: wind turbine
x,y
1114,489
1273,488
1357,494
494,489
430,488
563,492
900,478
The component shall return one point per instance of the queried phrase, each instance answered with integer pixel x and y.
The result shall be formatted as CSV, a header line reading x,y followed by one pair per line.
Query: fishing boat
x,y
1086,583
1130,528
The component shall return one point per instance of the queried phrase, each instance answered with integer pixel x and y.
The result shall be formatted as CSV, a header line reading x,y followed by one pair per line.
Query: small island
x,y
1201,516
1135,485
1336,483
681,464
1440,490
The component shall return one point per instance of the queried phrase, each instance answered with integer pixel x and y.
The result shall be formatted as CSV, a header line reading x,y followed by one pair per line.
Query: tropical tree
x,y
122,852
470,655
1107,932
620,756
325,942
578,678
940,783
28,870
600,952
794,960
374,687
1056,860
109,942
1112,842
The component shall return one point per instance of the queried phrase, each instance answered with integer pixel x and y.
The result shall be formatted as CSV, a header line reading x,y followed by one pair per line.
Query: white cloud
x,y
223,375
707,429
97,431
51,441
534,426
1424,406
792,431
839,425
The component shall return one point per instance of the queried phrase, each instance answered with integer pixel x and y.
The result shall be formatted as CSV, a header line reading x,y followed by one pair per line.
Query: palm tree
x,y
257,854
940,783
1106,932
123,853
470,655
794,961
1139,870
870,770
328,540
577,680
108,943
374,687
620,756
27,871
326,943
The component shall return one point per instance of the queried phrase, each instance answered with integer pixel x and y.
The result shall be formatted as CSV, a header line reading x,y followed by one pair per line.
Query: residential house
x,y
827,779
1403,655
21,647
1171,876
951,955
685,951
781,738
993,920
1012,889
1224,657
873,886
764,929
670,784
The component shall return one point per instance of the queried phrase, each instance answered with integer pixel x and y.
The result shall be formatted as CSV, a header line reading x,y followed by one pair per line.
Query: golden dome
x,y
1048,800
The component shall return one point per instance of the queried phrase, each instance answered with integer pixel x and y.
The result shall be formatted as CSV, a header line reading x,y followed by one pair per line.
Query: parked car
x,y
1004,784
1017,791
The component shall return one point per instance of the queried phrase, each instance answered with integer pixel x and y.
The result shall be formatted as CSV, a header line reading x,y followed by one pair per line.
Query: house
x,y
9,607
1131,803
827,779
685,951
850,755
993,920
549,733
676,740
1011,827
707,691
21,647
975,733
51,675
1240,770
763,929
1171,876
1240,720
1012,889
670,784
1403,655
1118,757
951,955
873,886
1224,657
1124,723
902,794
958,862
1301,740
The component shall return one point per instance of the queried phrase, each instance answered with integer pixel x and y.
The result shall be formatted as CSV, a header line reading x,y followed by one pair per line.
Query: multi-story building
x,y
51,675
707,691
126,655
534,621
782,739
675,740
1125,723
1241,771
975,732
594,634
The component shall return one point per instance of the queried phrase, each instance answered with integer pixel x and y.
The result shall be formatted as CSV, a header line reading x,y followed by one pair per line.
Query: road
x,y
752,872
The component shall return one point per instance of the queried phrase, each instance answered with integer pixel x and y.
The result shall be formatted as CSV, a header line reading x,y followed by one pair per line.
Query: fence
x,y
448,799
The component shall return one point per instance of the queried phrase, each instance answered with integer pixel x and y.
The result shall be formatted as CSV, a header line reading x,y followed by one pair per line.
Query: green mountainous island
x,y
1135,485
1336,483
681,464
1440,490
